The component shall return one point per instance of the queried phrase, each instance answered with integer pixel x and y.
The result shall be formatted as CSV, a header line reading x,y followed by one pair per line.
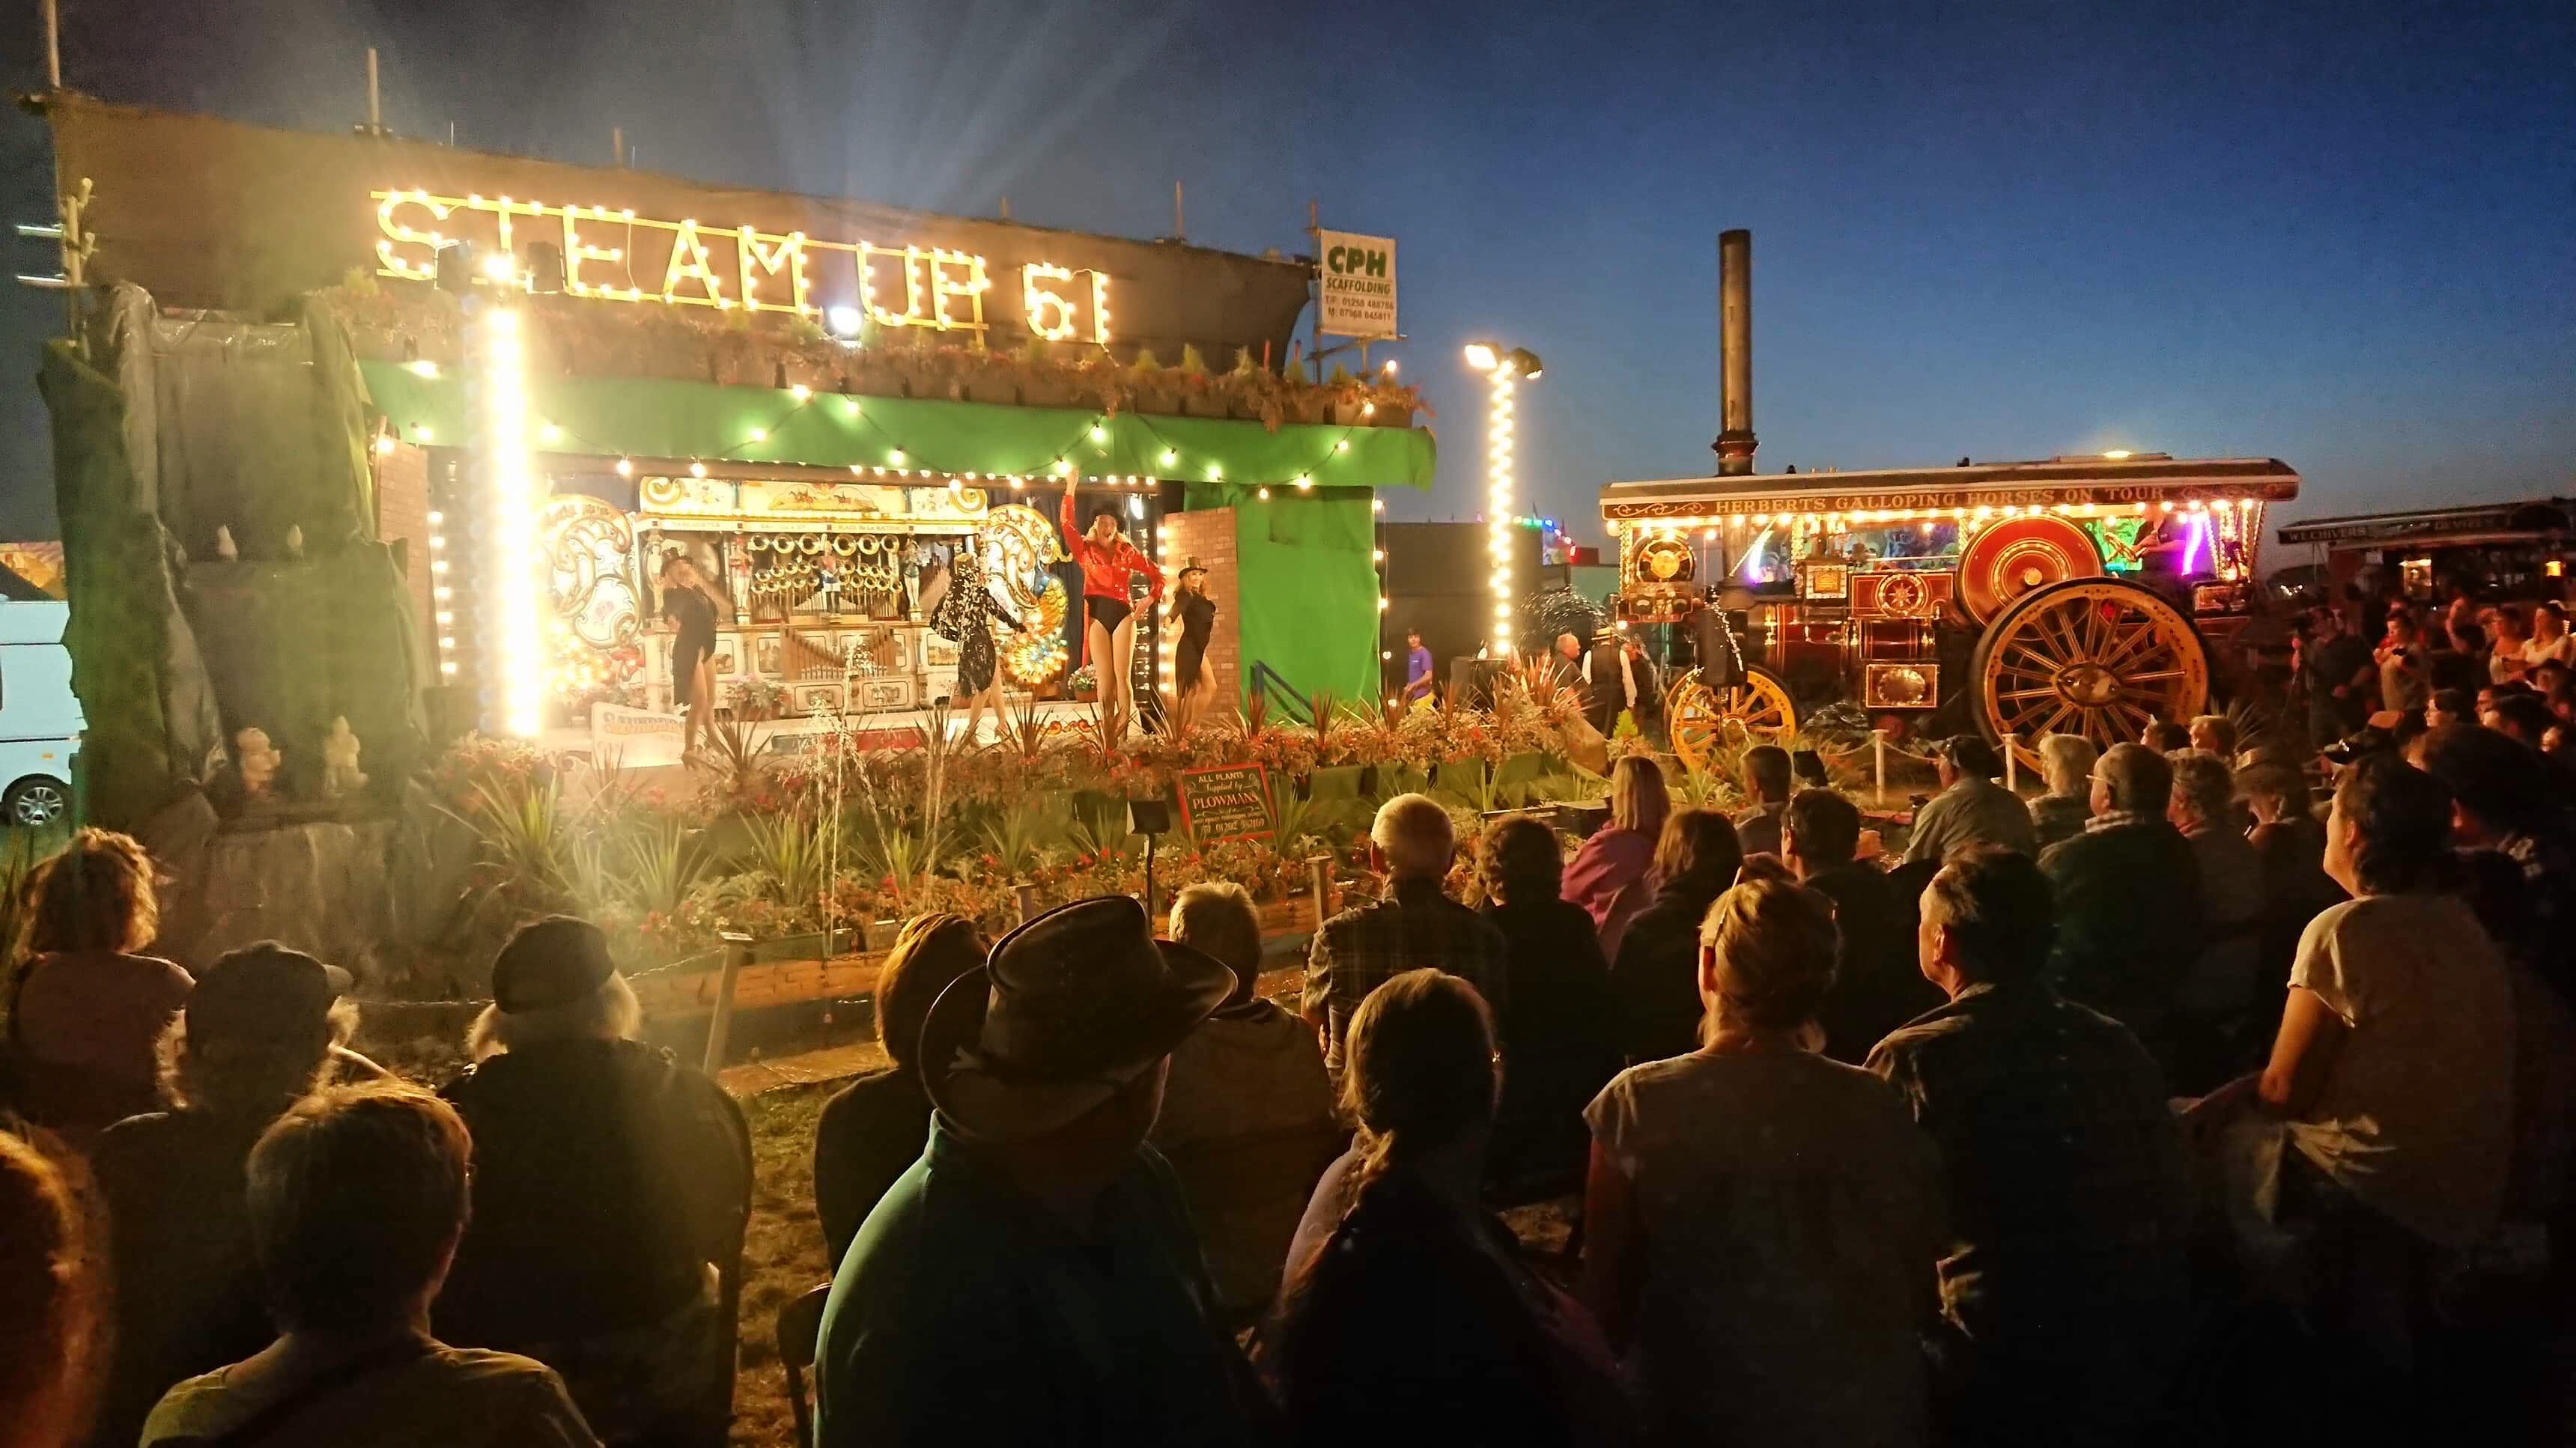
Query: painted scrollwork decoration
x,y
1028,542
588,545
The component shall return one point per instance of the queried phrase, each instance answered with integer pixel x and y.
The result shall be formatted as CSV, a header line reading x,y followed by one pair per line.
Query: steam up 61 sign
x,y
1359,284
1226,802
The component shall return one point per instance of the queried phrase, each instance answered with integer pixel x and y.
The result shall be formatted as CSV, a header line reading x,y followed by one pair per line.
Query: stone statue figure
x,y
257,762
340,772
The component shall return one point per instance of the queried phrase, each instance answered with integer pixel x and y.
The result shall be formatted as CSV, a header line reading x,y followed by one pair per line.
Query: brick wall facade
x,y
1208,536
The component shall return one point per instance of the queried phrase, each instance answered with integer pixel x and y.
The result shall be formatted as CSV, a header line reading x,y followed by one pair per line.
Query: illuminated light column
x,y
513,627
1498,504
441,597
1504,372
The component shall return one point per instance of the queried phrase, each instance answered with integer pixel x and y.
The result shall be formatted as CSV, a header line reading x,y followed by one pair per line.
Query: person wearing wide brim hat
x,y
1037,1267
1067,1011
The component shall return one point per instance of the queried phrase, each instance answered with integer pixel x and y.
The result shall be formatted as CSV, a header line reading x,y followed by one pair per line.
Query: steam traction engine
x,y
2079,595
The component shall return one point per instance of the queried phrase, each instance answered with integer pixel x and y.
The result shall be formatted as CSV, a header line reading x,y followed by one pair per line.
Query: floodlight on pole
x,y
1504,372
513,597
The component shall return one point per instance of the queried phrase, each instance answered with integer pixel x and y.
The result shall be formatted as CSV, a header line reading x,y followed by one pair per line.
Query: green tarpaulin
x,y
659,418
1305,568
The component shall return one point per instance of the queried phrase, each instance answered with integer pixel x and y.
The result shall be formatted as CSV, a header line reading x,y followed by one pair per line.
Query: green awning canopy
x,y
658,418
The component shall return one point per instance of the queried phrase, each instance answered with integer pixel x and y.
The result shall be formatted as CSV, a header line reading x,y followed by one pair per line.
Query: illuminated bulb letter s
x,y
391,263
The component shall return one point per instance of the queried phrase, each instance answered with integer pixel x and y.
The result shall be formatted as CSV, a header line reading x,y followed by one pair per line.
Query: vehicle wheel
x,y
2091,656
2021,556
1700,718
36,801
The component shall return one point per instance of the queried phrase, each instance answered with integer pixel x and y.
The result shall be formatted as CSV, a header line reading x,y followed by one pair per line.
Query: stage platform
x,y
648,739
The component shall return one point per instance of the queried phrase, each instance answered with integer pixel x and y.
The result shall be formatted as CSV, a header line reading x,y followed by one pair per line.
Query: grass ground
x,y
782,1255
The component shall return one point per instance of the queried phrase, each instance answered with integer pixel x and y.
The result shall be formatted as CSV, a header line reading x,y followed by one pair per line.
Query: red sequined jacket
x,y
1105,566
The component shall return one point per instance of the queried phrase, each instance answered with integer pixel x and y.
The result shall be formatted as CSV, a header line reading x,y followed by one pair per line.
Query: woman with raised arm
x,y
1108,621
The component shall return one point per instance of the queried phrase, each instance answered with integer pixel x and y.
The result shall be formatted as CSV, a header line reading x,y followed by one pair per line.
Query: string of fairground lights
x,y
899,462
1862,517
2233,518
506,428
1061,469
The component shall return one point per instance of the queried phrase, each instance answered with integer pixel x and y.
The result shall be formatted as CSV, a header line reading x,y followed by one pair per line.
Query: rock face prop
x,y
257,762
324,886
340,773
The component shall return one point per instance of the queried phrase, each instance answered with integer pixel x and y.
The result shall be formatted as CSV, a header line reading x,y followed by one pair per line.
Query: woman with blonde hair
x,y
85,1007
1408,1312
1607,877
1764,1222
2066,763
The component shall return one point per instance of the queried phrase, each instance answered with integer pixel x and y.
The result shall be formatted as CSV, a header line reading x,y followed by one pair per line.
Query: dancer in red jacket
x,y
1109,625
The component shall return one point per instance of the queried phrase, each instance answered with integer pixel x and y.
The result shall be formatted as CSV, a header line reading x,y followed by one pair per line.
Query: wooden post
x,y
1028,901
1319,875
1149,880
720,1024
1878,763
53,46
2012,766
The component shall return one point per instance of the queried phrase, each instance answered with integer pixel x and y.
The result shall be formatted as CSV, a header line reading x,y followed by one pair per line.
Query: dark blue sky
x,y
2341,234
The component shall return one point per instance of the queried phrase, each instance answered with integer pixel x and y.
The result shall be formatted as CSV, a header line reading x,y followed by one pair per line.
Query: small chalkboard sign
x,y
1226,802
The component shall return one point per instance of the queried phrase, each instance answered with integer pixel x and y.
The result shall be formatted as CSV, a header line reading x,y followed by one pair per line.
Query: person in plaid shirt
x,y
1415,927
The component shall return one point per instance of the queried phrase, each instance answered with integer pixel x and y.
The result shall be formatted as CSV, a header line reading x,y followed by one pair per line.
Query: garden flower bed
x,y
851,841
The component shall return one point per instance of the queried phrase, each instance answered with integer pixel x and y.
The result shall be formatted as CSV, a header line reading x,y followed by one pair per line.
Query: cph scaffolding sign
x,y
1358,298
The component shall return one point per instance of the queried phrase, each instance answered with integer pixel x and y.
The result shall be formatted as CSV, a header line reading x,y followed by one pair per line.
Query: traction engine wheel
x,y
1757,705
2090,656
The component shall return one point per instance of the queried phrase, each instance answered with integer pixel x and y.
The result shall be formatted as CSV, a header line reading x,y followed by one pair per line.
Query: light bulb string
x,y
554,435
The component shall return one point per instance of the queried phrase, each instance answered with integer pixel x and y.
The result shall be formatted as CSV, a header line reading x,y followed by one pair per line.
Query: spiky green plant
x,y
522,829
738,747
787,854
660,865
1018,732
1018,839
1101,830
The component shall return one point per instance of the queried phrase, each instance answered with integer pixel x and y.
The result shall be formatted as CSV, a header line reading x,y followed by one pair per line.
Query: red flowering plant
x,y
505,766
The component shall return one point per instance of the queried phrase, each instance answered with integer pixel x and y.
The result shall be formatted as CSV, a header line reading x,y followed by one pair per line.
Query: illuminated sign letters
x,y
894,286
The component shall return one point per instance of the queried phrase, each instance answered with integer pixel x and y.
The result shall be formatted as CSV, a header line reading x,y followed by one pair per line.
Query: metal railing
x,y
1271,685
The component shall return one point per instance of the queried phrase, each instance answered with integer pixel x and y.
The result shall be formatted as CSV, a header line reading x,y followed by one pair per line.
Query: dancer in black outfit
x,y
690,607
1187,625
965,614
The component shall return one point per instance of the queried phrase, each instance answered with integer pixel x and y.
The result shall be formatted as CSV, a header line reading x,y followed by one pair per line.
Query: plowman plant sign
x,y
1359,284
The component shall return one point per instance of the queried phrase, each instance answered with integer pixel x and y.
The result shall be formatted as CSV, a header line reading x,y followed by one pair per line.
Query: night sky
x,y
2340,234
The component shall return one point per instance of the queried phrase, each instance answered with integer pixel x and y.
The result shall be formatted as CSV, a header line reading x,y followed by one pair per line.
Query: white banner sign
x,y
634,738
1359,284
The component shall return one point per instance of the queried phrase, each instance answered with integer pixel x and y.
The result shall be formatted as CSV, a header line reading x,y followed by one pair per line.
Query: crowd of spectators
x,y
2127,1113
